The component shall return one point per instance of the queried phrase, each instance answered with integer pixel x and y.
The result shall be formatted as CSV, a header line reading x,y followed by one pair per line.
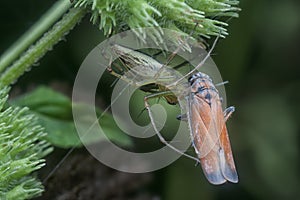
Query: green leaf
x,y
55,114
48,102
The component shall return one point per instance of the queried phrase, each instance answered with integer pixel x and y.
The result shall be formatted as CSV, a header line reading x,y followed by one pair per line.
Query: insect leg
x,y
112,72
228,112
161,138
182,117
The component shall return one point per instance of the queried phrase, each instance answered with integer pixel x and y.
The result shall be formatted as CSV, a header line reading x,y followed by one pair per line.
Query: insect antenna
x,y
173,54
199,65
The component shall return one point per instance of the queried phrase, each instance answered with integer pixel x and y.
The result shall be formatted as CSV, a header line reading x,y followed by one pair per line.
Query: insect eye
x,y
190,79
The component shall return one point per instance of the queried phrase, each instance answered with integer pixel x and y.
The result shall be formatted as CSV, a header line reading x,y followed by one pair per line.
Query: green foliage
x,y
116,16
54,111
22,147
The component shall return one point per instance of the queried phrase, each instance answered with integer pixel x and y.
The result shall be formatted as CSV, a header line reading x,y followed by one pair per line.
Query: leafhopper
x,y
205,116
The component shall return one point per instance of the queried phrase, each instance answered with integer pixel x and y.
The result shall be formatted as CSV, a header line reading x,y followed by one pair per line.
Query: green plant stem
x,y
35,32
35,52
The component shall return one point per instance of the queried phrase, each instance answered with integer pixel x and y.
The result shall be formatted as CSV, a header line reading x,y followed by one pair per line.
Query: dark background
x,y
260,58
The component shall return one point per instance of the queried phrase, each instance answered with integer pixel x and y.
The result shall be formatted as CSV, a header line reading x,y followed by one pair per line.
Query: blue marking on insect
x,y
201,89
208,96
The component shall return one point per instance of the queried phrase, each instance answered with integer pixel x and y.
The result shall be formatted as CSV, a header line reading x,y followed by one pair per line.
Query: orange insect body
x,y
209,132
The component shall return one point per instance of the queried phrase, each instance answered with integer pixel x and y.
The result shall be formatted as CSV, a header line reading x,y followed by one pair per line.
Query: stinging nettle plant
x,y
22,147
115,16
22,139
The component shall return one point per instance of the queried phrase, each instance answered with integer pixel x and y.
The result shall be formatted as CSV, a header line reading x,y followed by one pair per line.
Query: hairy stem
x,y
35,52
35,32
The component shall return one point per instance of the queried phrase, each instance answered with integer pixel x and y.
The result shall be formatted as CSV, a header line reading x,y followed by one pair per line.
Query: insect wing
x,y
225,154
205,138
226,157
211,141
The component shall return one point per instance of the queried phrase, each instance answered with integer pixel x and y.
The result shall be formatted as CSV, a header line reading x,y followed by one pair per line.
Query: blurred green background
x,y
260,58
